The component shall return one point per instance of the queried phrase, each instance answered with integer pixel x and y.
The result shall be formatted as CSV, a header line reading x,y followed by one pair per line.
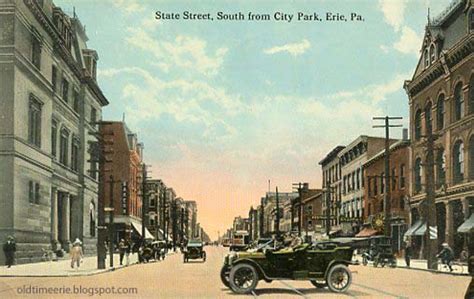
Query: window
x,y
34,122
440,112
358,179
441,168
432,54
353,181
75,101
471,94
402,204
428,123
54,78
369,187
418,172
54,138
427,58
92,219
382,183
418,125
152,202
75,154
471,20
458,162
375,186
471,157
458,102
63,147
402,176
93,169
93,116
65,93
393,179
36,51
34,192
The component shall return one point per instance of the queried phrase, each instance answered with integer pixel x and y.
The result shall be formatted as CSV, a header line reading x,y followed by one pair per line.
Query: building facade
x,y
332,183
441,99
49,103
351,160
312,208
399,186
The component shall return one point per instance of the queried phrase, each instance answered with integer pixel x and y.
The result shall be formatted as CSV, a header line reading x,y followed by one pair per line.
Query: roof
x,y
332,154
397,145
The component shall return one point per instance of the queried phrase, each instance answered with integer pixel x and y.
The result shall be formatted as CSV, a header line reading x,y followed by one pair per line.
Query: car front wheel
x,y
339,278
225,276
243,278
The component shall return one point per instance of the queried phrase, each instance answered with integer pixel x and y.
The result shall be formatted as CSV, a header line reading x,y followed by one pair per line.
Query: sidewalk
x,y
63,267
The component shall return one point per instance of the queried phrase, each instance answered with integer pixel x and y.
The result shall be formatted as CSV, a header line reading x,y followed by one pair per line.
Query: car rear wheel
x,y
339,278
320,284
225,271
243,278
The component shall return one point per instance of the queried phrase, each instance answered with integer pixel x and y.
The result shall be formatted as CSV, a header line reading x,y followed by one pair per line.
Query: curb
x,y
434,271
95,272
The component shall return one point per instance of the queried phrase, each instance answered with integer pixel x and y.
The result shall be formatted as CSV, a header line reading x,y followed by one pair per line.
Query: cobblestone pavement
x,y
172,278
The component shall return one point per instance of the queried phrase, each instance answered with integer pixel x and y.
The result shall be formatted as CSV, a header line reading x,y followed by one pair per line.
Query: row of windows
x,y
353,181
458,110
373,186
332,174
65,90
458,165
64,146
355,152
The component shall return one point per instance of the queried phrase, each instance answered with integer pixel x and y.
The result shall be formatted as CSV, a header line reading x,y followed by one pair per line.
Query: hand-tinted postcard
x,y
236,149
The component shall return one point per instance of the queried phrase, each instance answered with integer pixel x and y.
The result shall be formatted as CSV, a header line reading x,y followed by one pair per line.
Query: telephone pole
x,y
387,176
328,208
277,224
110,209
432,242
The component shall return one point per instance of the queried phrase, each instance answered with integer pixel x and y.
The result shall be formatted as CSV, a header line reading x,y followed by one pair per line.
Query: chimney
x,y
405,134
305,186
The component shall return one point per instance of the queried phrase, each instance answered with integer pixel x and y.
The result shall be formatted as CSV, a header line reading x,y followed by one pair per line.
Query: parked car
x,y
323,263
194,250
379,252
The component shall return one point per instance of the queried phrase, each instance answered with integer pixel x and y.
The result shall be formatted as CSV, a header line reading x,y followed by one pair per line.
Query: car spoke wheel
x,y
243,278
319,283
225,271
339,278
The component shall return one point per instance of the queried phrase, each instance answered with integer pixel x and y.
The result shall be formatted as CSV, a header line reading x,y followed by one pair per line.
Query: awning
x,y
138,228
413,229
420,231
366,232
467,226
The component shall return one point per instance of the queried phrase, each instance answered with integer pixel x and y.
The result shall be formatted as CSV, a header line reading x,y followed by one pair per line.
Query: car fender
x,y
259,269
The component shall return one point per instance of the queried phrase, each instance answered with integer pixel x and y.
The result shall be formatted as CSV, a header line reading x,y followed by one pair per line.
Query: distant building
x,y
311,206
156,208
270,210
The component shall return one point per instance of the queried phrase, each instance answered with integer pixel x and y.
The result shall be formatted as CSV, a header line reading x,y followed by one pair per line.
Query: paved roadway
x,y
174,279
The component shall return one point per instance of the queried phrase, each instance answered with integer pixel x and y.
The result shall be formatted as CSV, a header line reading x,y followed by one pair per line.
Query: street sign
x,y
433,232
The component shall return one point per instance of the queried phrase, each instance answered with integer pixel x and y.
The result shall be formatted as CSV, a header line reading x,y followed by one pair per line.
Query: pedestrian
x,y
9,249
447,256
408,253
122,250
127,252
76,253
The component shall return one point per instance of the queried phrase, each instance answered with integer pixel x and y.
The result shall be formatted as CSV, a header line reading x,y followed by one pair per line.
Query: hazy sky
x,y
222,107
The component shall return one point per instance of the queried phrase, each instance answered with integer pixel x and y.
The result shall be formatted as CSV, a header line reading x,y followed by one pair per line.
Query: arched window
x,y
428,118
432,54
426,56
418,173
458,162
471,157
418,125
440,112
458,102
471,94
440,168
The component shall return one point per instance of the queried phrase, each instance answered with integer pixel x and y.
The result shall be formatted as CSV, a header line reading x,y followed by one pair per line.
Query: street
x,y
174,279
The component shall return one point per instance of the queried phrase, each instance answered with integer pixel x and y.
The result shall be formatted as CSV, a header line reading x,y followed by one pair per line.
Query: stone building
x,y
124,164
441,99
332,183
49,103
374,178
352,159
269,210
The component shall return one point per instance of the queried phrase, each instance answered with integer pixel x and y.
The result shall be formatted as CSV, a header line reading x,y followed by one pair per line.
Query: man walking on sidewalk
x,y
76,253
122,250
9,249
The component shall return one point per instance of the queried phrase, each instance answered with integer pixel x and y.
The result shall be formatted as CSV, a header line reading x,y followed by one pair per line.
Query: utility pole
x,y
328,208
111,221
299,187
277,224
99,151
386,195
144,201
432,243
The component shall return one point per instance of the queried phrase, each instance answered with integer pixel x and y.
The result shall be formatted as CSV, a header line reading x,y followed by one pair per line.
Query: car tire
x,y
240,272
364,261
320,284
339,278
225,272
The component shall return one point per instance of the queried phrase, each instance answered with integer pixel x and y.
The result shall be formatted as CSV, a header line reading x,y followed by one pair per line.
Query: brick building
x,y
441,99
312,209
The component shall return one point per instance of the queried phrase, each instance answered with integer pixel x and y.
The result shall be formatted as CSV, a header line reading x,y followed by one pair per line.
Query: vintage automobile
x,y
379,252
194,250
159,250
323,263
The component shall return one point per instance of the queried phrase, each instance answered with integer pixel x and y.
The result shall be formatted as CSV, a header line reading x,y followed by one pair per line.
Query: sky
x,y
224,106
